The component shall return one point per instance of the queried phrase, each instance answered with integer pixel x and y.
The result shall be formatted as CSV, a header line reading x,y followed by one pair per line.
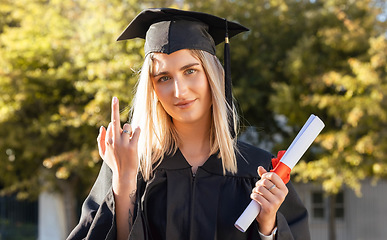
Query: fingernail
x,y
115,100
100,129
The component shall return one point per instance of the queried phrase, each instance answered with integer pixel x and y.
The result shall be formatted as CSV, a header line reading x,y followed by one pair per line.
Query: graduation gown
x,y
176,204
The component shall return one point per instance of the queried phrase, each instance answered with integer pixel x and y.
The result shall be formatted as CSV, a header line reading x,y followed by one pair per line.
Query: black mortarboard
x,y
167,30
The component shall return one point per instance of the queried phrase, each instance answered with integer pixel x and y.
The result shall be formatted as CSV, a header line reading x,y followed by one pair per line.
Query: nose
x,y
181,88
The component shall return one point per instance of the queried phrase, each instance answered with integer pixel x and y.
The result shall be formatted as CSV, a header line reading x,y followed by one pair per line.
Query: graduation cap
x,y
167,30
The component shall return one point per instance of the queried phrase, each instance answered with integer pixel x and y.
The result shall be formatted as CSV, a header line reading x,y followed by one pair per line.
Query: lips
x,y
185,103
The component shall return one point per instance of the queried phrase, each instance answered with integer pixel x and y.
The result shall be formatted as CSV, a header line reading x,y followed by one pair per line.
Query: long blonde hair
x,y
158,134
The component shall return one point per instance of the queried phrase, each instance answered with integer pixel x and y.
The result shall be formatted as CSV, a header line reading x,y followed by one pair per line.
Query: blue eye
x,y
190,71
164,78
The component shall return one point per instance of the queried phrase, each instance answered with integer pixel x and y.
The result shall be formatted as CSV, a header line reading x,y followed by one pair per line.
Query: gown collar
x,y
248,160
177,161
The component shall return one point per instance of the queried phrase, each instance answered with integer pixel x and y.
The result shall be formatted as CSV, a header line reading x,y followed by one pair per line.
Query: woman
x,y
184,176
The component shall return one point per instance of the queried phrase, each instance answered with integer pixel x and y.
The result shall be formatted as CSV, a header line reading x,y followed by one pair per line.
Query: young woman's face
x,y
182,87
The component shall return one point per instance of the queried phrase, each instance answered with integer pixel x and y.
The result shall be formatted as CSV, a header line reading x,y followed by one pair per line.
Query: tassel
x,y
228,84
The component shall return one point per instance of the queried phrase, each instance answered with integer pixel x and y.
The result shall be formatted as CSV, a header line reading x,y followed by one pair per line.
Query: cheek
x,y
160,93
163,95
205,88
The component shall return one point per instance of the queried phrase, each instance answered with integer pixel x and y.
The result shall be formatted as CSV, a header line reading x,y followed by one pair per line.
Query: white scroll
x,y
293,154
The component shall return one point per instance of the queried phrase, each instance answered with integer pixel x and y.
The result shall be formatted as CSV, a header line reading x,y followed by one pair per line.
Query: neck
x,y
194,142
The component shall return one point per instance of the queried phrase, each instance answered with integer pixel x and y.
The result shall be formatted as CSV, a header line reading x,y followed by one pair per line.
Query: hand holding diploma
x,y
298,147
269,193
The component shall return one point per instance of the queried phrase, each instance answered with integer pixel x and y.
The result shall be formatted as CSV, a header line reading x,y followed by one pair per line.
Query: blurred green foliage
x,y
338,70
60,65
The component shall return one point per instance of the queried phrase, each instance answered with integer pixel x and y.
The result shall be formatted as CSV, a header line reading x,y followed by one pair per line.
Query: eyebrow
x,y
181,69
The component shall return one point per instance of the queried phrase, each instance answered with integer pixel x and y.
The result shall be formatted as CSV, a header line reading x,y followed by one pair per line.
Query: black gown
x,y
175,204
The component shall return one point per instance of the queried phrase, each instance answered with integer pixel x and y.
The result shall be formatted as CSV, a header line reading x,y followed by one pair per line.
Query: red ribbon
x,y
280,168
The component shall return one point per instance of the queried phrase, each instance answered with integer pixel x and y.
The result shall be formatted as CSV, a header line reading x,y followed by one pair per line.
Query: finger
x,y
267,206
115,118
263,196
272,188
261,171
268,189
266,198
259,198
263,189
136,136
274,178
264,183
126,131
101,141
102,133
109,134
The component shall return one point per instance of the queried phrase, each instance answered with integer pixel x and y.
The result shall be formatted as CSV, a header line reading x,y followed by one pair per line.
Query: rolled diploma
x,y
293,154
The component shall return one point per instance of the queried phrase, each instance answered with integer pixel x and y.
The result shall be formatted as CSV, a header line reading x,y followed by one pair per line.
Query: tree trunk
x,y
70,203
331,217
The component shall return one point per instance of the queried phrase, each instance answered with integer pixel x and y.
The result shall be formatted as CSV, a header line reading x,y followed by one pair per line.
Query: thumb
x,y
261,171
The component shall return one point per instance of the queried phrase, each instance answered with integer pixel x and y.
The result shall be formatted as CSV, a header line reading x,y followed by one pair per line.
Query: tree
x,y
60,67
338,71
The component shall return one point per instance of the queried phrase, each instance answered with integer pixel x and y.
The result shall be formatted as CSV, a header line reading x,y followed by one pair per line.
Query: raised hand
x,y
118,147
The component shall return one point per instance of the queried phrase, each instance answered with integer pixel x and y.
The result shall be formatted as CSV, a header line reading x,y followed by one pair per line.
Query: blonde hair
x,y
158,135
